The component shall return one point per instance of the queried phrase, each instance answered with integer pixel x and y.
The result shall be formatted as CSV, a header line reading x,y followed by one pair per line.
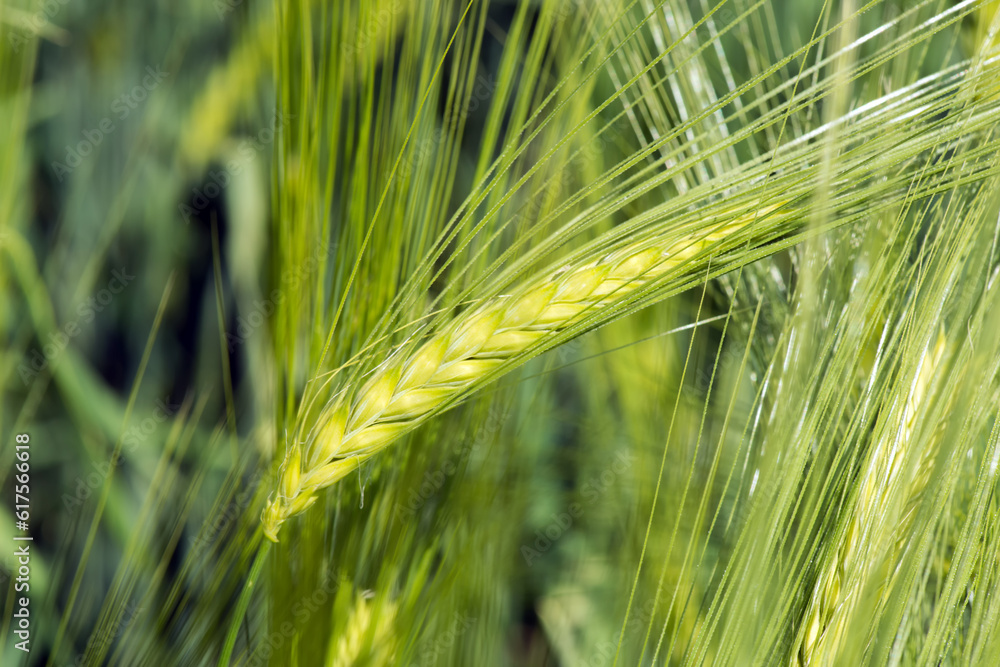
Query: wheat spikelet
x,y
405,388
368,637
838,586
921,477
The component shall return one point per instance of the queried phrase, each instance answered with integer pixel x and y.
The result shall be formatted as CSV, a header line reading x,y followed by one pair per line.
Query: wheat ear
x,y
839,583
368,637
408,387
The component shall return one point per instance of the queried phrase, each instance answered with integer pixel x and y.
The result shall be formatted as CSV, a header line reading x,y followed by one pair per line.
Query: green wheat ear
x,y
408,387
839,584
368,637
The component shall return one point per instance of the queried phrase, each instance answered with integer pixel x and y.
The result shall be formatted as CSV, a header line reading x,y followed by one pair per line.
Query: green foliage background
x,y
215,216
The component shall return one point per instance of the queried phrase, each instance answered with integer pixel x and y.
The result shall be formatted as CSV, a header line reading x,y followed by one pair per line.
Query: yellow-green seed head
x,y
409,386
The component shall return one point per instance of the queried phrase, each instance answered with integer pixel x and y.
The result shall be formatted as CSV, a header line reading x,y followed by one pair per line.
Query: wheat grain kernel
x,y
462,372
425,364
331,436
374,397
414,401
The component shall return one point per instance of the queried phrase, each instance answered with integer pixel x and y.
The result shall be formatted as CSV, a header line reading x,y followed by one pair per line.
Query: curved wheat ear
x,y
839,584
408,387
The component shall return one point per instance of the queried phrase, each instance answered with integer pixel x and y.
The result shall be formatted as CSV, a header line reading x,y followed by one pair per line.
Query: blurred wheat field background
x,y
577,332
